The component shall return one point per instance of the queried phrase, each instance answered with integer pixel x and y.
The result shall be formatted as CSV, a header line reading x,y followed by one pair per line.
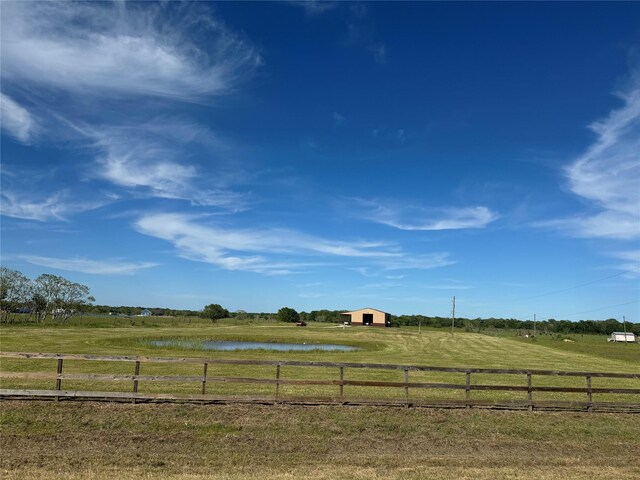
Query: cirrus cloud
x,y
273,251
85,265
121,47
16,120
411,217
607,174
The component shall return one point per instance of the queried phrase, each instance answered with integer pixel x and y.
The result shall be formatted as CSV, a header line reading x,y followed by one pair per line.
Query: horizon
x,y
391,154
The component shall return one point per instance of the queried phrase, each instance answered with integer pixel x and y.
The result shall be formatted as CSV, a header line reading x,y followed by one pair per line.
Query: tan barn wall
x,y
379,318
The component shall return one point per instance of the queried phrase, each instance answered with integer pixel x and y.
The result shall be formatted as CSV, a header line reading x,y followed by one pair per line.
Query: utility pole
x,y
534,325
453,315
624,324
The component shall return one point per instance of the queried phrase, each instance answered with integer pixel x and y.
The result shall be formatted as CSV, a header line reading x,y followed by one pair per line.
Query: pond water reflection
x,y
236,345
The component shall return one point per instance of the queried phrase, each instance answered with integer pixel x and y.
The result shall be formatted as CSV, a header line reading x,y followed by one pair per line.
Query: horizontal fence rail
x,y
341,398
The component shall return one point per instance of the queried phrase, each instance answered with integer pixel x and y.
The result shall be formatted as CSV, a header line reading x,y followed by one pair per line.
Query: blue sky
x,y
327,155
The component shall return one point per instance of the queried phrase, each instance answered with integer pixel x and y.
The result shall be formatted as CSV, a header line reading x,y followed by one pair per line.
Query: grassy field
x,y
94,441
399,346
405,345
101,440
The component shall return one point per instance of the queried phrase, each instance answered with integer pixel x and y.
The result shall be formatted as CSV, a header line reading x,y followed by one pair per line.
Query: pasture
x,y
98,440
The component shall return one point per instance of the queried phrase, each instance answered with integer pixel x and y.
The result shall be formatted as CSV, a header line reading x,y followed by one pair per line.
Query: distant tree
x,y
241,315
15,291
214,312
58,297
287,314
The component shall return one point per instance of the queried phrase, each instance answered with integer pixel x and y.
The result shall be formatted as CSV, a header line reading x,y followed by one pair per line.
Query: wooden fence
x,y
340,382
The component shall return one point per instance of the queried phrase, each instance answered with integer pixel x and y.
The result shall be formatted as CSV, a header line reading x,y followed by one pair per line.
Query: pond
x,y
236,345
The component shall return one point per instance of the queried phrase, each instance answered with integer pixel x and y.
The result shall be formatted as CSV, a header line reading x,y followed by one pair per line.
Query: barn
x,y
369,317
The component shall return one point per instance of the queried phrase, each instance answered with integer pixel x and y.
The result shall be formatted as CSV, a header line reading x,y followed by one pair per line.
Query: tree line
x,y
129,311
548,326
56,298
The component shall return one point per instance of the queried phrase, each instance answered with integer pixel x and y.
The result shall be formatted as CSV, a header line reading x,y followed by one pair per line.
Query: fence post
x,y
277,380
341,381
135,378
59,377
406,386
204,378
467,390
529,392
589,392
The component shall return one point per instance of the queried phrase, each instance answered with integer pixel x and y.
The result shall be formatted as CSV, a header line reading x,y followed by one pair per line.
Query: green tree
x,y
286,314
214,312
15,290
59,297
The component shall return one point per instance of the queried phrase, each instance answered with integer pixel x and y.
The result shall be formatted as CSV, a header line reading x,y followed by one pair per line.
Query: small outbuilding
x,y
369,317
626,337
145,313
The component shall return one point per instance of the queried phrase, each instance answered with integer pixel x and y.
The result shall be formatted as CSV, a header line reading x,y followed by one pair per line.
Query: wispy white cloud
x,y
94,51
311,284
58,206
629,262
421,218
16,120
607,175
448,286
147,162
273,251
380,52
362,34
84,265
378,286
315,7
147,159
97,47
338,119
424,261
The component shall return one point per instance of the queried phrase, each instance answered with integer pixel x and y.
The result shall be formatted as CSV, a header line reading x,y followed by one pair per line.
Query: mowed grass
x,y
70,440
396,346
592,345
392,345
77,440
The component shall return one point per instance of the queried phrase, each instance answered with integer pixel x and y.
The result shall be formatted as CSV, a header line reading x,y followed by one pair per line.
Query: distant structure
x,y
622,337
369,317
145,313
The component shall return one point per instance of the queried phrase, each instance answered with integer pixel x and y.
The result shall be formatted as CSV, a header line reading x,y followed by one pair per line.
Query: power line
x,y
464,315
598,309
576,286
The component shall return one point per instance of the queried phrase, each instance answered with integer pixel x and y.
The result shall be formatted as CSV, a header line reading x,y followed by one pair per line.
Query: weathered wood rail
x,y
340,398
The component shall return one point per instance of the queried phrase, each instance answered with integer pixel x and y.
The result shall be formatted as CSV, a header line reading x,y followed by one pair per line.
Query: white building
x,y
622,337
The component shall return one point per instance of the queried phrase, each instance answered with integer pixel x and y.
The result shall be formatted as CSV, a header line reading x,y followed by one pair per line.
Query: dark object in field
x,y
301,324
